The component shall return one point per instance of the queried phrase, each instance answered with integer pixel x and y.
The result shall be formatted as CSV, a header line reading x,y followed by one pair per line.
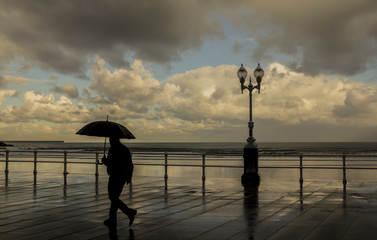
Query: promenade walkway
x,y
184,211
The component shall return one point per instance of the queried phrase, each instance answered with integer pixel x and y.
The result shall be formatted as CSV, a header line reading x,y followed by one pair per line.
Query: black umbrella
x,y
106,129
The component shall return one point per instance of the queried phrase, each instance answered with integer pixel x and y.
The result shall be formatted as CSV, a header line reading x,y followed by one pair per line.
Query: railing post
x,y
301,171
203,167
35,167
96,174
130,184
6,167
301,179
65,168
344,177
166,171
203,173
6,162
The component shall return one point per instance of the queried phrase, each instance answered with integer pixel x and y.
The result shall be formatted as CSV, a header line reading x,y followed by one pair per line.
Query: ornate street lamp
x,y
250,176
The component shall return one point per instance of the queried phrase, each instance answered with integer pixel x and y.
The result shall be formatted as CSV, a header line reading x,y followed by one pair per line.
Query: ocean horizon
x,y
206,147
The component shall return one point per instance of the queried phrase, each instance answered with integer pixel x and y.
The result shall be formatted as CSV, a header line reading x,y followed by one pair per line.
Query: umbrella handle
x,y
104,145
104,148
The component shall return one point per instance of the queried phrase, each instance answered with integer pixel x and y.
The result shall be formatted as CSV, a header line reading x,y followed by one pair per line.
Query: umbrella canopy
x,y
106,129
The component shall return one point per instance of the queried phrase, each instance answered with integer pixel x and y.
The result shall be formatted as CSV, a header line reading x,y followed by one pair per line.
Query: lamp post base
x,y
250,156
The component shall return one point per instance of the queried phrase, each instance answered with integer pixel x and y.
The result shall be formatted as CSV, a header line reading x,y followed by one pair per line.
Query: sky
x,y
167,69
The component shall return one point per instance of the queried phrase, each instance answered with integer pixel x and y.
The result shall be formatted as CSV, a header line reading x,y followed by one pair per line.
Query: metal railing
x,y
200,160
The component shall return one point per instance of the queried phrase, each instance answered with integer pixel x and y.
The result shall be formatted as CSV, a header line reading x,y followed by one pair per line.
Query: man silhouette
x,y
120,169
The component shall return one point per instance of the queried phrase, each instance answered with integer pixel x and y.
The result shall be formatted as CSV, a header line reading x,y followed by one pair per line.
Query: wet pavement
x,y
276,210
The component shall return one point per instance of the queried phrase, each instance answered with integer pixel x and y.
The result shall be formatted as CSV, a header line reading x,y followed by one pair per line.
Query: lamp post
x,y
250,176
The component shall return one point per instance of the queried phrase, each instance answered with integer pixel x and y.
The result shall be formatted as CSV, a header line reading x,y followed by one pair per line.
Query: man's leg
x,y
114,190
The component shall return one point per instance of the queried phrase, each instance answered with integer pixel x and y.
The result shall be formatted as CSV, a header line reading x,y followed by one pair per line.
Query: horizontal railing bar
x,y
217,166
208,159
169,153
199,154
150,164
183,156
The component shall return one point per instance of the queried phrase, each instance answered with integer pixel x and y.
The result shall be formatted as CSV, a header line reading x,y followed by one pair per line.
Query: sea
x,y
278,160
278,148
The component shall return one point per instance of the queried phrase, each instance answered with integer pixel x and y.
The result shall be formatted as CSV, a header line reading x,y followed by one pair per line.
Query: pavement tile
x,y
183,211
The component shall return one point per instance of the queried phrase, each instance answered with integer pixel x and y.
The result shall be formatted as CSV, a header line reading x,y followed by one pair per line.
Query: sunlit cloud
x,y
213,94
38,106
123,86
204,99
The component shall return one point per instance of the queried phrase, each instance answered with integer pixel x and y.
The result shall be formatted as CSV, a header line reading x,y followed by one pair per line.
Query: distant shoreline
x,y
3,144
36,141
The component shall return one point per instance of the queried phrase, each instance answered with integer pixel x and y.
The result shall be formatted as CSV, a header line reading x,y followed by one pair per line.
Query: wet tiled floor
x,y
187,211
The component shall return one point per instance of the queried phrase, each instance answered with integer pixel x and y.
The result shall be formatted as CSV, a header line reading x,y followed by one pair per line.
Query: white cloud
x,y
205,100
135,85
286,96
37,106
293,98
213,94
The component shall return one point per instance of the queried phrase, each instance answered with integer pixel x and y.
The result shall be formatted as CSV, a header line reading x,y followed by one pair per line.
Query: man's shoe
x,y
110,223
131,216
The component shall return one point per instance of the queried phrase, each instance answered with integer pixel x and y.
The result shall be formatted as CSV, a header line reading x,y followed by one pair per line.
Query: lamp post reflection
x,y
251,210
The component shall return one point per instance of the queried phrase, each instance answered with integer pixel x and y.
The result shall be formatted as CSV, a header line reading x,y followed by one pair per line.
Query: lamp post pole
x,y
250,176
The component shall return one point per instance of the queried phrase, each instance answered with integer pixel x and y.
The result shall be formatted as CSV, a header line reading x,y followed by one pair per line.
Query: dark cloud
x,y
358,104
68,89
317,36
60,35
237,47
323,36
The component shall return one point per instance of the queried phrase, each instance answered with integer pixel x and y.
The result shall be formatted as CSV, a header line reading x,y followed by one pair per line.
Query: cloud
x,y
6,80
7,93
67,88
205,100
206,93
37,106
135,84
53,77
237,47
212,96
320,36
61,35
288,97
31,131
359,106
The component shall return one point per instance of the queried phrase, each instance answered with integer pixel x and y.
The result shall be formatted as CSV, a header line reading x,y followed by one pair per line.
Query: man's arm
x,y
105,160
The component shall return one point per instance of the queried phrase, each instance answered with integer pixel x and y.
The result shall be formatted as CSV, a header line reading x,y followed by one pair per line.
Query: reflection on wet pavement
x,y
277,209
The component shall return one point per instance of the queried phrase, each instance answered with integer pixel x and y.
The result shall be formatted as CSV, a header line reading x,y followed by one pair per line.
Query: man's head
x,y
114,140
